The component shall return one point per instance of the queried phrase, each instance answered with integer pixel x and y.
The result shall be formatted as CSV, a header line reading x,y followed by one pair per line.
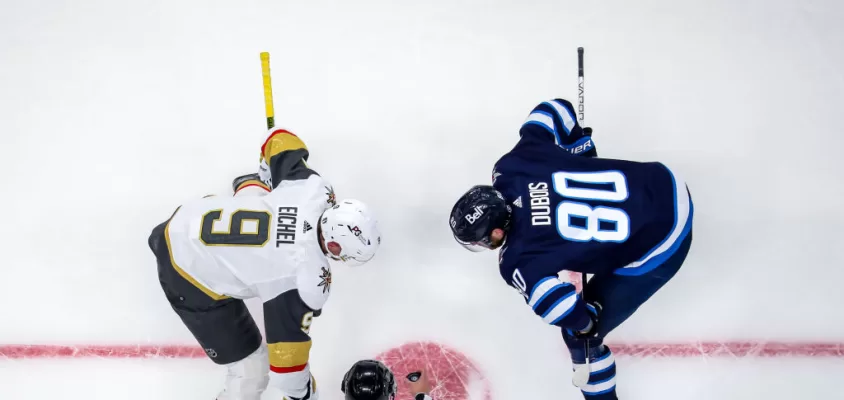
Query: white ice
x,y
112,113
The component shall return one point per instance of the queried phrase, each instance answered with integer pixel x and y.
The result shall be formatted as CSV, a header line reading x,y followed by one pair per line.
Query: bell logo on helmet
x,y
479,212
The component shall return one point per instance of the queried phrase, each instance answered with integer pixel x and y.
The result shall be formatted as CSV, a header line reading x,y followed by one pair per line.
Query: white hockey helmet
x,y
351,225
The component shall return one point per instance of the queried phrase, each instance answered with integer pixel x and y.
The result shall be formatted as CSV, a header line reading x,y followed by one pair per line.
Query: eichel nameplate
x,y
285,228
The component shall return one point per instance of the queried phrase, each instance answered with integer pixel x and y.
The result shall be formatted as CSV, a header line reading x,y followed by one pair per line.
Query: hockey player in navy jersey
x,y
554,206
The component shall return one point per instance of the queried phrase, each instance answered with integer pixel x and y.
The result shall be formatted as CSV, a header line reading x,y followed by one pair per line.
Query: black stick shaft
x,y
580,115
581,106
580,62
581,111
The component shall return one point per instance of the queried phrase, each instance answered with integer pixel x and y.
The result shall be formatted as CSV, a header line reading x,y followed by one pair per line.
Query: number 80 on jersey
x,y
602,224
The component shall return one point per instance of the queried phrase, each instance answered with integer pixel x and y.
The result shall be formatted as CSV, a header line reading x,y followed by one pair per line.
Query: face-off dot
x,y
453,376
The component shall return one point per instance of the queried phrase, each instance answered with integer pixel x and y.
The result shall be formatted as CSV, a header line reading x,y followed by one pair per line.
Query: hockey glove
x,y
591,330
583,342
580,143
242,180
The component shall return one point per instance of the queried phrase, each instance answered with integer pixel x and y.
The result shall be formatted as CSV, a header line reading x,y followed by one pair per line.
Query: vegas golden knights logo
x,y
326,280
332,199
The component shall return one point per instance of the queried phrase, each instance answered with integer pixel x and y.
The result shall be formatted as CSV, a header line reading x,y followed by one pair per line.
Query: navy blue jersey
x,y
581,214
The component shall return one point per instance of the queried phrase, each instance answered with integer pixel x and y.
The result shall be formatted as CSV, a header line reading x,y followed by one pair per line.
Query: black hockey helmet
x,y
476,214
369,380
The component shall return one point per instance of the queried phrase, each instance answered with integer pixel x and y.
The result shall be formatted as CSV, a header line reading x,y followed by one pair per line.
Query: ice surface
x,y
692,379
114,112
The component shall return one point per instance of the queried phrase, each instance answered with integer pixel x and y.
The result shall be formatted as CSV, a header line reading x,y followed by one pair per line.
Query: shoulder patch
x,y
331,198
325,276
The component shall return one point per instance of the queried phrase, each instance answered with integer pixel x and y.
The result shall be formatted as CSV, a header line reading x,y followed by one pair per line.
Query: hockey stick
x,y
580,101
580,376
268,89
581,115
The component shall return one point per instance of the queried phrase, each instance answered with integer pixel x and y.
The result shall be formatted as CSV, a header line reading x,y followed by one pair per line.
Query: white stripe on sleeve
x,y
561,308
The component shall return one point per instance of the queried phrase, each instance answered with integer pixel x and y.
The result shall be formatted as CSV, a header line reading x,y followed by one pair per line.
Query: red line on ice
x,y
663,350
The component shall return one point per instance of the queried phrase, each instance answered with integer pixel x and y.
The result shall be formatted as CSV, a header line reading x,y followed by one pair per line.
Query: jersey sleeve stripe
x,y
565,115
560,309
560,290
541,288
544,120
683,214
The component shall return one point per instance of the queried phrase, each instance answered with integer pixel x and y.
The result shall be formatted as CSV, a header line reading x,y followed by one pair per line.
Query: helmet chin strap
x,y
320,239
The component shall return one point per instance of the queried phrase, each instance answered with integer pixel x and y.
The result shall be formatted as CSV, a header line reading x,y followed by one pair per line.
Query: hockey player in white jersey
x,y
271,240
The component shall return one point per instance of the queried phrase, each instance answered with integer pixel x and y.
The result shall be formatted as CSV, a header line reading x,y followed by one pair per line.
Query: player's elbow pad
x,y
553,300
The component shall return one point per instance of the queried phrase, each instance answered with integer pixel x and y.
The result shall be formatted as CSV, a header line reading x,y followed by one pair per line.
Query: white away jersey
x,y
256,246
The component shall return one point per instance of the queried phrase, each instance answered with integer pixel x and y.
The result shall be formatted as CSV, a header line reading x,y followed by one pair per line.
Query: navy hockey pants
x,y
620,296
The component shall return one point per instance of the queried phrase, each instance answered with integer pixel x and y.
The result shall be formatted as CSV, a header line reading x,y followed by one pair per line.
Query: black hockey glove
x,y
591,331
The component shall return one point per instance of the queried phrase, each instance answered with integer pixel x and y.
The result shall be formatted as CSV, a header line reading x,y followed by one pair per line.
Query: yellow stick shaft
x,y
268,89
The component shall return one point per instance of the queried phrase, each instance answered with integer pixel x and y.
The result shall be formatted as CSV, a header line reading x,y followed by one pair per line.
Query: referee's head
x,y
369,380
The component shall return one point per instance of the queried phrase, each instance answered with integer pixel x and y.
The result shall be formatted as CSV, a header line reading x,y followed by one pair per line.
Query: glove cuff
x,y
248,180
584,146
